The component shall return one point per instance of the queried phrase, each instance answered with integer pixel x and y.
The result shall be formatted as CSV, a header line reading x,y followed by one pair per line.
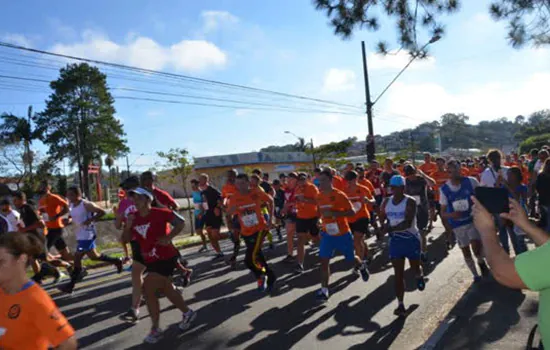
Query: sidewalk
x,y
491,317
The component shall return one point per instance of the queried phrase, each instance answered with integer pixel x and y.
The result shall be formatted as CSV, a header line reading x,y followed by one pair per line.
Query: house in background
x,y
273,163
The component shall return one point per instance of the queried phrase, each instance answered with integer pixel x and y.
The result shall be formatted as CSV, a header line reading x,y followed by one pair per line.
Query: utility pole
x,y
313,155
128,165
370,148
29,156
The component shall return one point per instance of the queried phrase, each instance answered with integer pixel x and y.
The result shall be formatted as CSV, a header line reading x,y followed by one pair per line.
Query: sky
x,y
283,45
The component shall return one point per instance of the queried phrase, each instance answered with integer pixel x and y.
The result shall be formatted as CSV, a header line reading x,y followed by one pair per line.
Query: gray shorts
x,y
465,234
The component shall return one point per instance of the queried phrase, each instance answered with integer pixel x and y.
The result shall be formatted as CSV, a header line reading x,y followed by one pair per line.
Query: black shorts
x,y
136,252
307,226
236,223
290,219
361,226
213,221
164,268
379,199
422,217
55,239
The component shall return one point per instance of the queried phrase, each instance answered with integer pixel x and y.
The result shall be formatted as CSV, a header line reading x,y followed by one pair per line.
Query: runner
x,y
360,196
400,211
289,211
464,171
337,181
316,173
125,206
29,319
213,214
52,208
386,175
198,213
161,197
307,219
456,205
84,214
518,191
247,204
416,186
476,169
441,175
374,176
150,227
12,216
279,201
232,221
31,223
264,185
335,208
428,166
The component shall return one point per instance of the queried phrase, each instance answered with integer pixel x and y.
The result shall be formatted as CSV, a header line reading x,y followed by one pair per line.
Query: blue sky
x,y
282,45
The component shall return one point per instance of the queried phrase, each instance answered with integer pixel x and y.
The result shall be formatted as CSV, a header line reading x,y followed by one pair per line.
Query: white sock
x,y
472,266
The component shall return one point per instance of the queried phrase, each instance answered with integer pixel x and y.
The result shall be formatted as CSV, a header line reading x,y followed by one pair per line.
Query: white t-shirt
x,y
443,200
489,176
13,219
537,167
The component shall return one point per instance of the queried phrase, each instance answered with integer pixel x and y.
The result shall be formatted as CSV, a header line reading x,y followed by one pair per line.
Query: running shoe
x,y
289,259
484,269
322,295
368,260
56,276
203,249
400,311
364,272
82,275
154,336
130,315
119,265
218,256
66,289
355,270
187,278
262,283
187,319
271,284
299,268
420,283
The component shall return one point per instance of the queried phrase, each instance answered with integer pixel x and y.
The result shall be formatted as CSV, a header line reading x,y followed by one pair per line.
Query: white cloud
x,y
337,80
17,39
397,60
428,101
213,20
143,52
330,118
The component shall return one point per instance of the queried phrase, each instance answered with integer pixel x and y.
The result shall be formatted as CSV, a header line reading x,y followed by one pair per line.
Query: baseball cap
x,y
143,192
397,181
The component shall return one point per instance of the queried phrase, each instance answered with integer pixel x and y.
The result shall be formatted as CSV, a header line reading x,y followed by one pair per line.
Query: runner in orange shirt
x,y
476,169
464,171
307,216
247,205
335,209
428,167
360,197
29,319
337,181
232,221
441,175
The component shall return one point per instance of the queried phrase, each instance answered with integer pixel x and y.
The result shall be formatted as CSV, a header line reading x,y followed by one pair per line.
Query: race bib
x,y
45,217
250,220
461,205
377,191
357,206
417,199
332,228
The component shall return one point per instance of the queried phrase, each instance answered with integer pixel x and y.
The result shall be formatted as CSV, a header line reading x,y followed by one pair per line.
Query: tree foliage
x,y
534,142
80,110
528,20
412,18
538,123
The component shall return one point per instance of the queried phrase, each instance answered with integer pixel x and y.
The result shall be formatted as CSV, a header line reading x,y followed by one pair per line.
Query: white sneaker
x,y
188,318
154,336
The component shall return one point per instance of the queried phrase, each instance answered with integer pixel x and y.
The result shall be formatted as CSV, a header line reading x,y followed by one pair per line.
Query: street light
x,y
370,139
311,144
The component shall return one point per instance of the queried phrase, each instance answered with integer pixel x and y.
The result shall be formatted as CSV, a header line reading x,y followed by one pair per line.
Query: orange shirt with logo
x,y
307,210
248,208
440,177
357,199
335,200
428,168
49,206
30,320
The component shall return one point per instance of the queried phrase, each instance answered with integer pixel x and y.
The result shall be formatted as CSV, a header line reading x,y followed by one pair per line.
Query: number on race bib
x,y
461,205
357,206
250,219
332,229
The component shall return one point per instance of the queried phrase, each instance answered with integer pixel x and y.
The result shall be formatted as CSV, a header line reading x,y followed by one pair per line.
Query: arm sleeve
x,y
529,267
51,322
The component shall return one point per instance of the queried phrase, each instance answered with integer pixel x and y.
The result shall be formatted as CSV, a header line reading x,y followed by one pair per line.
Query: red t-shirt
x,y
164,198
147,230
374,177
290,200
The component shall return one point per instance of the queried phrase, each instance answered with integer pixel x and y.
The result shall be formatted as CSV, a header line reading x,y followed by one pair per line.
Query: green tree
x,y
534,142
410,17
80,112
538,123
528,20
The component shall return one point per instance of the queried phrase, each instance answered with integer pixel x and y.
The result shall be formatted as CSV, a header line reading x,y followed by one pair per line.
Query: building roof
x,y
251,158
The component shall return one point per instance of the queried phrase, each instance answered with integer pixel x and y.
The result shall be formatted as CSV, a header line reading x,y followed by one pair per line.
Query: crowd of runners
x,y
334,210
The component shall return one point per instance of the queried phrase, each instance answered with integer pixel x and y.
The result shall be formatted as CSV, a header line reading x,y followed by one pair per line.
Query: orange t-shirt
x,y
227,191
464,171
357,199
428,168
400,169
440,177
49,206
249,210
307,210
335,200
338,182
475,172
366,183
30,320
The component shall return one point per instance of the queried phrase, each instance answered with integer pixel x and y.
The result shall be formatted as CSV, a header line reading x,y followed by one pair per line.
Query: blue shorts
x,y
404,245
330,244
85,245
199,223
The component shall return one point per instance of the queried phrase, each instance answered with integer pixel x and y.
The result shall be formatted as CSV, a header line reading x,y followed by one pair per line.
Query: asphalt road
x,y
232,314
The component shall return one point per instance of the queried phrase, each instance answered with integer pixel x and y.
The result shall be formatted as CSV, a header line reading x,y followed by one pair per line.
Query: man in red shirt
x,y
161,198
151,228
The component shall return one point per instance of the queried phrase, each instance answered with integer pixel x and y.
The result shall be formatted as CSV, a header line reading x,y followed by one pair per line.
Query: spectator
x,y
519,192
542,186
526,271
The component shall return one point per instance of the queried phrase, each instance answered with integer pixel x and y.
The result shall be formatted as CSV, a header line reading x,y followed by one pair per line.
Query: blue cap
x,y
397,181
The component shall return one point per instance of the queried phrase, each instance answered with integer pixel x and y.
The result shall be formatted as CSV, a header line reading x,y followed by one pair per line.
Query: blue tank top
x,y
197,201
460,201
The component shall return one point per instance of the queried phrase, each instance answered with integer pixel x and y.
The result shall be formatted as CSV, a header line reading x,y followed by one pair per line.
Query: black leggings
x,y
254,257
